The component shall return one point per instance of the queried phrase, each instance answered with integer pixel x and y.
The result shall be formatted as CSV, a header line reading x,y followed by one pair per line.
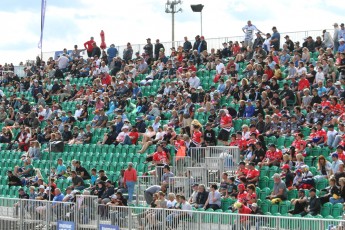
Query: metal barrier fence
x,y
33,214
180,186
230,155
143,183
215,43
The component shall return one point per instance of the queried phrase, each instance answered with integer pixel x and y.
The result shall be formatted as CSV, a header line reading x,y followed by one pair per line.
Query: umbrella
x,y
103,45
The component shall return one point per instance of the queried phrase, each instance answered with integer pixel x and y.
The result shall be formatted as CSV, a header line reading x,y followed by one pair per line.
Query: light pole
x,y
198,8
170,8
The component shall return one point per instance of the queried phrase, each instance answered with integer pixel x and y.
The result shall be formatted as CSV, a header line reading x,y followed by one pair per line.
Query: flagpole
x,y
43,12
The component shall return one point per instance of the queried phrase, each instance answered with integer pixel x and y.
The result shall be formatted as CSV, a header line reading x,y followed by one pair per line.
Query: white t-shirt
x,y
249,32
104,69
319,77
62,62
219,68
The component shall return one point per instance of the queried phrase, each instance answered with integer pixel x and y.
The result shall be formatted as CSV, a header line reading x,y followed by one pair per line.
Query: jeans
x,y
130,185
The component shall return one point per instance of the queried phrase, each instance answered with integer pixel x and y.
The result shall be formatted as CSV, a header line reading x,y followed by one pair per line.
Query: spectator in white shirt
x,y
171,200
249,31
220,68
62,62
194,81
104,68
319,75
78,111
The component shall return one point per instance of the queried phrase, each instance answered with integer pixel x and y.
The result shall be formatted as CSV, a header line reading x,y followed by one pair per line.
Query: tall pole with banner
x,y
43,13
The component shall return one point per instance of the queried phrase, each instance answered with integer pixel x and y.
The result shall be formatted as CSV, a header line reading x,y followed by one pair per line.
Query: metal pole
x,y
173,28
50,167
201,22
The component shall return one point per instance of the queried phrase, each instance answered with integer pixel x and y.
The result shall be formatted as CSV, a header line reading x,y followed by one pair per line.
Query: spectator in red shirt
x,y
252,174
241,142
225,125
197,136
242,170
341,154
242,193
134,135
321,133
299,143
244,220
303,83
273,157
89,47
105,78
129,180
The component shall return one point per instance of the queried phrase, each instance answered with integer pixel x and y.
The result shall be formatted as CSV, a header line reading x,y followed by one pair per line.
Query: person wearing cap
x,y
13,180
300,203
148,48
314,204
123,137
258,42
42,195
249,31
335,163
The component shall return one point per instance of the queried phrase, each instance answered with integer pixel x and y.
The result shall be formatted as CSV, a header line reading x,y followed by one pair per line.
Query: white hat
x,y
113,196
121,82
125,127
159,95
337,83
199,87
48,188
341,40
41,186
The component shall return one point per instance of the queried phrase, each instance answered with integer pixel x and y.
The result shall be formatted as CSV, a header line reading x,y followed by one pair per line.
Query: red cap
x,y
241,186
286,166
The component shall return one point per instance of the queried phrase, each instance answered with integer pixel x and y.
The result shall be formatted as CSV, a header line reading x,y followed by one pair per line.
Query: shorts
x,y
223,135
248,43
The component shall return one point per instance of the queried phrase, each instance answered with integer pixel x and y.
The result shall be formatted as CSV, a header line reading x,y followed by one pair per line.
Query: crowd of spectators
x,y
282,89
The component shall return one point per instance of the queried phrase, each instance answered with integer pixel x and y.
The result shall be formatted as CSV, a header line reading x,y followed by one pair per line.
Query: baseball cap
x,y
286,166
241,186
41,186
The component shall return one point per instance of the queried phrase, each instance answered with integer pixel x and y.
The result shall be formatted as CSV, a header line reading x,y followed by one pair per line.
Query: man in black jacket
x,y
158,47
96,51
187,45
202,196
13,180
149,48
196,43
314,203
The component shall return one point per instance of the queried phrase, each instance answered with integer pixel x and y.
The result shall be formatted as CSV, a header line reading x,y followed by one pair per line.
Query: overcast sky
x,y
70,22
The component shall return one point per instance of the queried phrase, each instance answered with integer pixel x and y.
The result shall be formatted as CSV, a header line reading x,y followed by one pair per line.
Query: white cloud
x,y
134,20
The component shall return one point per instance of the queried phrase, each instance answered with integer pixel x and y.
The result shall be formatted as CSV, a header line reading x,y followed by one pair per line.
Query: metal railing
x,y
87,213
215,43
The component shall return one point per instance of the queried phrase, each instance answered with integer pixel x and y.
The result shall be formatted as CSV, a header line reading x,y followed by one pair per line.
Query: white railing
x,y
86,213
215,43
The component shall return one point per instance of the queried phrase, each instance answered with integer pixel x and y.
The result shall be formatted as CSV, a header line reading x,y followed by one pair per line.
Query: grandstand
x,y
284,144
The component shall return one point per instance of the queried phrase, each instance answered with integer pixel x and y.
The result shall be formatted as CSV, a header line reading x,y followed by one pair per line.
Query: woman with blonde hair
x,y
299,161
34,151
305,55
